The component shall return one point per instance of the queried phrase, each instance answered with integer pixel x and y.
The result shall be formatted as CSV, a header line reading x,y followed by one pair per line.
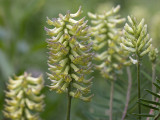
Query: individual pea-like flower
x,y
23,98
136,39
70,55
106,38
153,54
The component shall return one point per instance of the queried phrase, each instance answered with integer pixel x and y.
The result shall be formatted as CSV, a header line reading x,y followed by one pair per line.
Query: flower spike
x,y
136,39
70,55
106,38
24,98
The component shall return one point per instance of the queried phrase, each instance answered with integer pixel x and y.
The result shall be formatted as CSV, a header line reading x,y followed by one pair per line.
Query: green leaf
x,y
144,115
153,93
158,81
149,106
150,102
155,84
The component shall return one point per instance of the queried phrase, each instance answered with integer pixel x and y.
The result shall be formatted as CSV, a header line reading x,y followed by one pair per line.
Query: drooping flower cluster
x,y
23,98
136,39
107,37
70,55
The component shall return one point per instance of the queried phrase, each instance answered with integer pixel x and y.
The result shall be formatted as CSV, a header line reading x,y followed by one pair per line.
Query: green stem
x,y
153,79
111,100
69,104
139,86
69,86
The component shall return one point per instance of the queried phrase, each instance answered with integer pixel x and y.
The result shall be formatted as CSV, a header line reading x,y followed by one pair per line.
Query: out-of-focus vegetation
x,y
23,48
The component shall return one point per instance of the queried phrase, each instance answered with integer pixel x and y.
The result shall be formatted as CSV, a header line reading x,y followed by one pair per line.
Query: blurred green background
x,y
23,48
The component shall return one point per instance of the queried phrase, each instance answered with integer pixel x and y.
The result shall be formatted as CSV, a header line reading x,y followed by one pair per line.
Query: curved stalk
x,y
139,86
128,92
111,100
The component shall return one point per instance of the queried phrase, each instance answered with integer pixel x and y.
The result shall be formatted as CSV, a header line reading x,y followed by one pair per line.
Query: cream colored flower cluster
x,y
69,55
136,39
23,98
106,37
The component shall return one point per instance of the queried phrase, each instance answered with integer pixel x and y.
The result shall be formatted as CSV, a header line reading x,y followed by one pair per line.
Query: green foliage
x,y
154,105
24,98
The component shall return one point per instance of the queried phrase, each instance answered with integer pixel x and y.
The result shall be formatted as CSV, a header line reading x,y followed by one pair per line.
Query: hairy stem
x,y
128,92
153,79
69,104
139,86
111,100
